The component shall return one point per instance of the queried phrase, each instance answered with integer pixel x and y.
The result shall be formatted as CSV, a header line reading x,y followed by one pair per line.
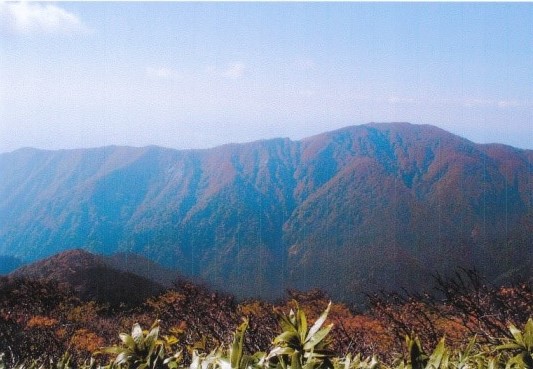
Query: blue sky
x,y
197,75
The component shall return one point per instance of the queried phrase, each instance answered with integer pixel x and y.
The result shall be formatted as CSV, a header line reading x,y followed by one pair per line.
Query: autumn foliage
x,y
44,320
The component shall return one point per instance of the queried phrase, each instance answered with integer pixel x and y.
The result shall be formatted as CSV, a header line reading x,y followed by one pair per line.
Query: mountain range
x,y
348,211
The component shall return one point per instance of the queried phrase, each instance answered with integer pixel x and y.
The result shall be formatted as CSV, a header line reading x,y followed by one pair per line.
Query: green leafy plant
x,y
300,347
521,345
143,350
356,362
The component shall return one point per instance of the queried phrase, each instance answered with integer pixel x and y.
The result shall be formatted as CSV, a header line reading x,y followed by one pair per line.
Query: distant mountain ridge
x,y
360,208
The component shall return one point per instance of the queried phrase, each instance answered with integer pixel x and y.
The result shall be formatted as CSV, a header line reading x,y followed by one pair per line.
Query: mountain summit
x,y
360,208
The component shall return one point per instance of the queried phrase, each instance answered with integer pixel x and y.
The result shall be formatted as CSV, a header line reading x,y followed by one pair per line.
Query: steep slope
x,y
410,201
364,207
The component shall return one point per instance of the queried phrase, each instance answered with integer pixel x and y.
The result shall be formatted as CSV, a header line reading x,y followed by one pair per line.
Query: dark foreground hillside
x,y
96,278
350,211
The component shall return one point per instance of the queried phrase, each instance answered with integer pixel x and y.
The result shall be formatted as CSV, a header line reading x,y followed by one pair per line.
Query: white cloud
x,y
234,70
508,104
35,18
162,73
501,104
472,103
400,100
307,92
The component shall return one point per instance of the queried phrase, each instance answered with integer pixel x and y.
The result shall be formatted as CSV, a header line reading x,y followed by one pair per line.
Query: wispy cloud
x,y
162,73
400,100
307,92
36,18
502,104
472,103
234,70
509,104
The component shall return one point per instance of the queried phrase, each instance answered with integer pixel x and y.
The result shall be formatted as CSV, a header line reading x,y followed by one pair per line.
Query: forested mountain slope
x,y
360,208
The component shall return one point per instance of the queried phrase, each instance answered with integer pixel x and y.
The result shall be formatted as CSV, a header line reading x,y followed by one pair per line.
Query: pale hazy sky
x,y
196,75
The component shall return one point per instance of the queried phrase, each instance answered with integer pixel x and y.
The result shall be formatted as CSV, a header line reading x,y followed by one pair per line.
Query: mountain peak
x,y
91,277
399,201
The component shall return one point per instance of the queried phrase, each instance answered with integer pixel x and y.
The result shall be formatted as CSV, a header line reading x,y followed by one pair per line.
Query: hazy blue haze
x,y
190,75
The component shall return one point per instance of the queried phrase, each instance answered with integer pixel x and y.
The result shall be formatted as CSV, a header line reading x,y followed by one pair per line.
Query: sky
x,y
201,74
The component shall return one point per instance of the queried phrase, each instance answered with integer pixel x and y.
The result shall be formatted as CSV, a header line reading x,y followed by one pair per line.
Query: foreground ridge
x,y
298,346
40,320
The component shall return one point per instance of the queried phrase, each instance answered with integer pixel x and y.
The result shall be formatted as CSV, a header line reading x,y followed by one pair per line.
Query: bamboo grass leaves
x,y
298,347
